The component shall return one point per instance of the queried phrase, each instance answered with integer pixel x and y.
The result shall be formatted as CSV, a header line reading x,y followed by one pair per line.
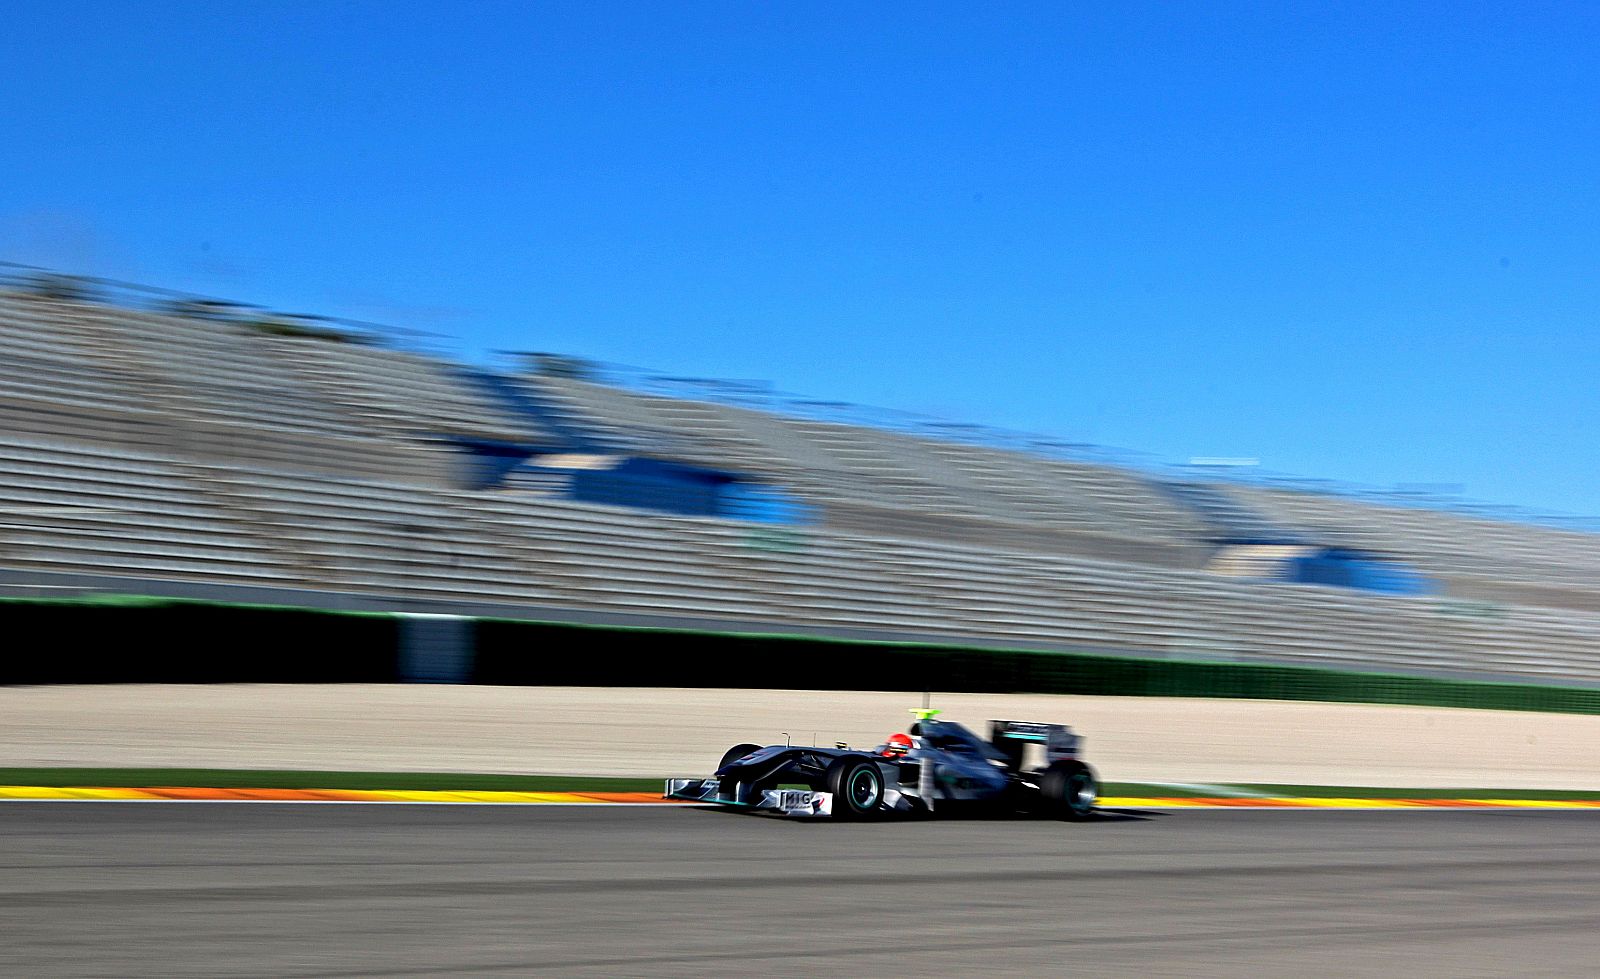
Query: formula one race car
x,y
938,766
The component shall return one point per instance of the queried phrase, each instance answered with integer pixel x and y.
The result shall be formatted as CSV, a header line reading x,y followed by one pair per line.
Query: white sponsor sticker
x,y
801,802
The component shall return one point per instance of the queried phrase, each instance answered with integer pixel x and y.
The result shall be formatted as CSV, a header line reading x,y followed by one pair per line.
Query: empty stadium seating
x,y
71,508
150,445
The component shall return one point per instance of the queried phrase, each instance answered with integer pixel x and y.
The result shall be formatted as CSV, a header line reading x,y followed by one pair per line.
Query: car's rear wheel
x,y
1068,790
857,787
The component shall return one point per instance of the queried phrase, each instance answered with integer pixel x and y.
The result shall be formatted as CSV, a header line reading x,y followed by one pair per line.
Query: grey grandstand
x,y
202,449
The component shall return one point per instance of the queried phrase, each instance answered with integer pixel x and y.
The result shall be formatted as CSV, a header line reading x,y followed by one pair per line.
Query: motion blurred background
x,y
284,285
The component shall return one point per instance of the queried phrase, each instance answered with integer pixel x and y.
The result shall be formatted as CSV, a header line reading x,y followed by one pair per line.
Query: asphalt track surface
x,y
218,889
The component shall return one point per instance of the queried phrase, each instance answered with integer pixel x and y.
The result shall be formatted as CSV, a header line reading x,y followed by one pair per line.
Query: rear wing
x,y
1011,737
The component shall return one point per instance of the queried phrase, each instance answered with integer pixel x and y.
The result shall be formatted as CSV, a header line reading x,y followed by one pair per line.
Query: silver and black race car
x,y
938,766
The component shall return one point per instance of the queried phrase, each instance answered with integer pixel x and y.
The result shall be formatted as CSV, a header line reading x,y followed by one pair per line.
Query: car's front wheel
x,y
728,785
857,787
734,753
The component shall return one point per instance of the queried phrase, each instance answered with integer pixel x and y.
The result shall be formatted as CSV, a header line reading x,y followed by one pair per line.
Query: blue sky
x,y
1359,243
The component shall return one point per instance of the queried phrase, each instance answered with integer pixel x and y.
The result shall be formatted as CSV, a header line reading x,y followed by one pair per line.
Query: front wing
x,y
784,802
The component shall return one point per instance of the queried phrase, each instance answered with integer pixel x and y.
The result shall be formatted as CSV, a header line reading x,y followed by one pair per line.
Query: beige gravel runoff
x,y
654,732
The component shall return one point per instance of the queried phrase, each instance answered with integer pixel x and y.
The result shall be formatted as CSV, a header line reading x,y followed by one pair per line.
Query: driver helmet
x,y
898,744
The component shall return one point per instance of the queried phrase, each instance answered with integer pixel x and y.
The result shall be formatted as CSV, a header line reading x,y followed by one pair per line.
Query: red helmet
x,y
898,744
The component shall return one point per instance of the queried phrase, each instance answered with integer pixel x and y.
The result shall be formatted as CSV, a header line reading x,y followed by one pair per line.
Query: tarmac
x,y
220,889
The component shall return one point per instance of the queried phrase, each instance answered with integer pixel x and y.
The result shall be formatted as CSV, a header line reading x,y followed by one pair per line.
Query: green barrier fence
x,y
130,640
512,652
119,639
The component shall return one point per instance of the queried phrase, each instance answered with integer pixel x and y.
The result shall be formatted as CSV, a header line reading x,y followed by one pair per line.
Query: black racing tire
x,y
727,786
734,753
857,786
1067,790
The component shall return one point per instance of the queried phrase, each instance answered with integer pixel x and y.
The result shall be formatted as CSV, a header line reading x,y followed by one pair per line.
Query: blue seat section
x,y
1308,564
761,503
650,485
610,475
1355,569
668,487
